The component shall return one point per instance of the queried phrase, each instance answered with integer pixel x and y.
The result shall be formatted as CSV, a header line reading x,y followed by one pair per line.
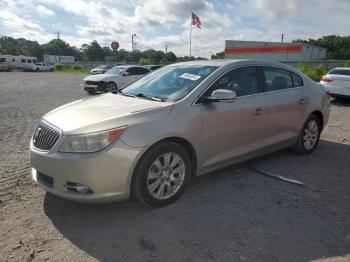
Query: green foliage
x,y
58,67
91,52
338,47
77,67
144,61
220,55
315,73
345,64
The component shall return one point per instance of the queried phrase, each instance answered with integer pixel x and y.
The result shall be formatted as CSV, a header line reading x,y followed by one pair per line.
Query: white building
x,y
276,51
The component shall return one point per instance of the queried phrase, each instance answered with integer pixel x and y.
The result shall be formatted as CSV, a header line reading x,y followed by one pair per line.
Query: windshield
x,y
115,70
170,83
100,66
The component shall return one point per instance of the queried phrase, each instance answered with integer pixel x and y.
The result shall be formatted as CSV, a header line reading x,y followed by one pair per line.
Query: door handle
x,y
301,101
258,112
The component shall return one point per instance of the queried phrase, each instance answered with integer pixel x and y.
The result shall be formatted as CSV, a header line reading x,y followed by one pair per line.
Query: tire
x,y
37,70
309,136
153,181
111,87
51,69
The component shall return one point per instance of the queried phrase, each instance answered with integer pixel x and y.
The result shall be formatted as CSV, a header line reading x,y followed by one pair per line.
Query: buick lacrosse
x,y
180,121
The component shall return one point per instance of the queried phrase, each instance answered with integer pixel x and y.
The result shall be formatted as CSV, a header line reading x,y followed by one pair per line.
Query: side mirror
x,y
220,95
125,73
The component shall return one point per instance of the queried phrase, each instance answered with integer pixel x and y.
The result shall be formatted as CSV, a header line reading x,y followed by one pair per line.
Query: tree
x,y
220,55
338,47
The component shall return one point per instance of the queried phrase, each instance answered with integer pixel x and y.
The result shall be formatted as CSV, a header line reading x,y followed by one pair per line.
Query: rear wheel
x,y
161,175
37,70
309,136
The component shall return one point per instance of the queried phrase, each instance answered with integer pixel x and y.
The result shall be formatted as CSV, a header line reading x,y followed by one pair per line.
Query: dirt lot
x,y
233,214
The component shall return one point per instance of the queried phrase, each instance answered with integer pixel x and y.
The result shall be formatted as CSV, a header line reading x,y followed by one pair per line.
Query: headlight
x,y
88,143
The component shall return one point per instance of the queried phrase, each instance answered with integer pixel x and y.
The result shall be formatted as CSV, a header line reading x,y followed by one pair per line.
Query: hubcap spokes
x,y
166,175
310,135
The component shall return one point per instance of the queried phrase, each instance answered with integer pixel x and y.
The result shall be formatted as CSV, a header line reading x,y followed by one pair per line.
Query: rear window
x,y
2,60
343,72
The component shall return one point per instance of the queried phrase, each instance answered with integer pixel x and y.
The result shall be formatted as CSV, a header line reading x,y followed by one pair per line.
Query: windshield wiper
x,y
154,98
126,94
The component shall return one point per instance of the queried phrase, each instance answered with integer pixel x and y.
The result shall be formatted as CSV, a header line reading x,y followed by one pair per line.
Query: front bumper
x,y
107,173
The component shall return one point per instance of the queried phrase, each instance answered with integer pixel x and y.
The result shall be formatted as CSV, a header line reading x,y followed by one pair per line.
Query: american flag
x,y
196,21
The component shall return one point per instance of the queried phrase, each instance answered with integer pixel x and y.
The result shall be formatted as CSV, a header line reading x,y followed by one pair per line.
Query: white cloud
x,y
44,11
161,22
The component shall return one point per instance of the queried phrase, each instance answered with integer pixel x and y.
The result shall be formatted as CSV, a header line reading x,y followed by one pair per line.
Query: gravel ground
x,y
233,214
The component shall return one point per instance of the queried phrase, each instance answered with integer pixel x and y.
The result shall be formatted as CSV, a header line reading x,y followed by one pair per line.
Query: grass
x,y
314,72
83,70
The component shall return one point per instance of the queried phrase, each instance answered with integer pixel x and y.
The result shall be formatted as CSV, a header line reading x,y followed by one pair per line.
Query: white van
x,y
25,63
4,65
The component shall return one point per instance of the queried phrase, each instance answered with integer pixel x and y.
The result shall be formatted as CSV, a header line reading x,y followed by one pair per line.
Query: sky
x,y
157,23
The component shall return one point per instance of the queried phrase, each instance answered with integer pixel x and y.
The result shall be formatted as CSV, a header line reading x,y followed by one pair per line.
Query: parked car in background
x,y
41,67
4,65
337,82
182,120
152,67
101,69
25,63
114,79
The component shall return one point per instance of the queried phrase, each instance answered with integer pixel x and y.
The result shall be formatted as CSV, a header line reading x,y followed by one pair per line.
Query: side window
x,y
277,79
131,71
244,81
23,61
2,60
142,71
29,61
297,80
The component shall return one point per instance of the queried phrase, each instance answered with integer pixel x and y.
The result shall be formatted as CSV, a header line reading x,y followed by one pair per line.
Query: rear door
x,y
232,130
286,104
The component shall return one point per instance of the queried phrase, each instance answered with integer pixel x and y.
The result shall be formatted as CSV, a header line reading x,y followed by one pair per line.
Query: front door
x,y
234,129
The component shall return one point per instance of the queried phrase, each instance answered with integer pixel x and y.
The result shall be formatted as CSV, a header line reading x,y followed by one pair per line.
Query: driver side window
x,y
244,81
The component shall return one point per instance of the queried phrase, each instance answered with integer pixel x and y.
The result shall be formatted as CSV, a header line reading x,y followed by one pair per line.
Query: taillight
x,y
326,80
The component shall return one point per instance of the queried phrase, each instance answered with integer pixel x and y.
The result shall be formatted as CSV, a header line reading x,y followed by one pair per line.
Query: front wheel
x,y
309,136
161,175
111,87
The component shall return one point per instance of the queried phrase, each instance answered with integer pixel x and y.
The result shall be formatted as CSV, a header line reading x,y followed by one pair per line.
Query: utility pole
x,y
282,37
132,42
166,48
58,35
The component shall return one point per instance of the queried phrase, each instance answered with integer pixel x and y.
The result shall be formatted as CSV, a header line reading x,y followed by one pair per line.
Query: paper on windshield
x,y
189,76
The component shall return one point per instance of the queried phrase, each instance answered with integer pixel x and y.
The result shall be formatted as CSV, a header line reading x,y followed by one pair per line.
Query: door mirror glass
x,y
125,73
224,95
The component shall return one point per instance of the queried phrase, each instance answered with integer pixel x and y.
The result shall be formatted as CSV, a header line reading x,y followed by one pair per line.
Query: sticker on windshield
x,y
190,76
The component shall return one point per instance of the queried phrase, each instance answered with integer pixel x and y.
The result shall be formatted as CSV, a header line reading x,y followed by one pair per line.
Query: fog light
x,y
82,188
78,188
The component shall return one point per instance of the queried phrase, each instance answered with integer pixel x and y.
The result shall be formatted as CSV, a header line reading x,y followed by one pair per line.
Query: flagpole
x,y
191,35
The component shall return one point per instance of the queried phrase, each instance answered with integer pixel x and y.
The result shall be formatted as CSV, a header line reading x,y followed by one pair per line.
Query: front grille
x,y
93,83
45,137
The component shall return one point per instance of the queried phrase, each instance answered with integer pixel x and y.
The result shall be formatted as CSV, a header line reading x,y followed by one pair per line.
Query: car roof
x,y
225,62
341,68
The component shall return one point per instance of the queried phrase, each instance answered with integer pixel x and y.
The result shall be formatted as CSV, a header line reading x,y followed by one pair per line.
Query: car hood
x,y
104,112
99,77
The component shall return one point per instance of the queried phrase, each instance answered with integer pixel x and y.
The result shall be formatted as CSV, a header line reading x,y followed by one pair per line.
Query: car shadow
x,y
229,215
340,101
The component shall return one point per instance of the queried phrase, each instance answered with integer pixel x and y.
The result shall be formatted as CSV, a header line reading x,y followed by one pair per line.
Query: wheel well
x,y
319,115
189,148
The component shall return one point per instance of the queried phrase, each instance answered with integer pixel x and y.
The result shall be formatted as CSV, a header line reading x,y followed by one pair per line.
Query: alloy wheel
x,y
311,133
166,175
